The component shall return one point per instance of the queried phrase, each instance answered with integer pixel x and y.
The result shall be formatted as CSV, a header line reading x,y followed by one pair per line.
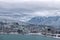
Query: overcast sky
x,y
32,8
26,0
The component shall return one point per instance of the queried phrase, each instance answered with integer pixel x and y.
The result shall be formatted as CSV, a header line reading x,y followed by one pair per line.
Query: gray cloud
x,y
24,11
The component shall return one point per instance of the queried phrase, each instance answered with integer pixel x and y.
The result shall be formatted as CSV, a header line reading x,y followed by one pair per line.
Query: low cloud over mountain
x,y
25,10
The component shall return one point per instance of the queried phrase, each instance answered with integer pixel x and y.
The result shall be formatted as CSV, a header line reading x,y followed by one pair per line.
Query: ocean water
x,y
24,37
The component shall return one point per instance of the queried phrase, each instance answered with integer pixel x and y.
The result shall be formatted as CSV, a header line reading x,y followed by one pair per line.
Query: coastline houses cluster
x,y
8,28
16,28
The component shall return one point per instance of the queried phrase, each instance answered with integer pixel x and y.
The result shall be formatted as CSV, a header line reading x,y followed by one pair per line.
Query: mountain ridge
x,y
52,20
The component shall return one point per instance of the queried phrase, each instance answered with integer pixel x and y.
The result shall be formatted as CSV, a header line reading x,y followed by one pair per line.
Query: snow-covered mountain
x,y
52,20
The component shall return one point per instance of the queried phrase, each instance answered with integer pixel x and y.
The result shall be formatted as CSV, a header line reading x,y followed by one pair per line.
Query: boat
x,y
56,36
34,34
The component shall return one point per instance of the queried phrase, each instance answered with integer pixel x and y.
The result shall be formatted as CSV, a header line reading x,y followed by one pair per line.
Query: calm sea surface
x,y
24,37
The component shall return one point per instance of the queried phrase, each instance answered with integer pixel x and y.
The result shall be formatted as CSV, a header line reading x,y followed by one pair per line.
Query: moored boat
x,y
56,36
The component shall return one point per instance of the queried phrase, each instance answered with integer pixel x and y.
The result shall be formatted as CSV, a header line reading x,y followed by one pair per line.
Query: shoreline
x,y
33,34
